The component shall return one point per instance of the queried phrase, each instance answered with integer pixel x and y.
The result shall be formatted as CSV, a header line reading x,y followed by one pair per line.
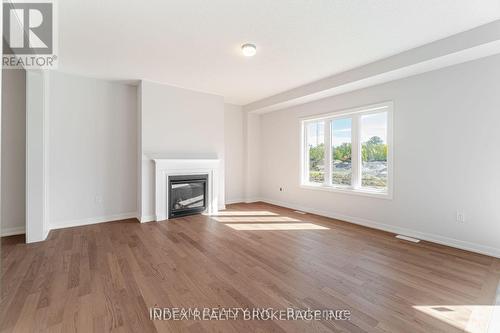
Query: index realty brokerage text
x,y
156,313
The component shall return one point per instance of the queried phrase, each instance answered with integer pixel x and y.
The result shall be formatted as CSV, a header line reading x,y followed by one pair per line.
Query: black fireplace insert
x,y
187,195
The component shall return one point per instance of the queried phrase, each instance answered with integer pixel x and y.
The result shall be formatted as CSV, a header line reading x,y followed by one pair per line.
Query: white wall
x,y
13,151
234,153
446,132
177,123
92,150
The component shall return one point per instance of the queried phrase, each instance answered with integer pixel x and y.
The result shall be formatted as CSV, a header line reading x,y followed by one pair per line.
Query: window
x,y
315,141
341,151
374,150
349,151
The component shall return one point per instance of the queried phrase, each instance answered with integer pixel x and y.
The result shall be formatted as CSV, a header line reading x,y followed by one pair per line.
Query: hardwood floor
x,y
105,277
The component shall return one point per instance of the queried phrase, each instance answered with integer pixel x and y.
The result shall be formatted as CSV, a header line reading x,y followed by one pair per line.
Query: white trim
x,y
162,160
390,152
355,114
347,190
304,153
46,152
92,220
456,243
356,168
365,109
13,231
328,151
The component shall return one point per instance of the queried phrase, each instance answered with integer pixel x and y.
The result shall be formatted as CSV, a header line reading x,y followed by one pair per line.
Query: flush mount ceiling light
x,y
248,49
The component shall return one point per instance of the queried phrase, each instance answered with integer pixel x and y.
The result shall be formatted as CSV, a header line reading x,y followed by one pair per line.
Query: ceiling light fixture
x,y
248,49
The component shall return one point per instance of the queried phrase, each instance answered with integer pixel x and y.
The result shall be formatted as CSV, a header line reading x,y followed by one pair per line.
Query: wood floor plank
x,y
105,277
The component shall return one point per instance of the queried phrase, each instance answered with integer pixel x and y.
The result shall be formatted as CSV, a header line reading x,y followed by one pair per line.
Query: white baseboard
x,y
13,231
456,243
92,220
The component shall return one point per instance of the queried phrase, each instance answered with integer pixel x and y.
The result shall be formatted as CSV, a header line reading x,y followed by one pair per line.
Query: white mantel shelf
x,y
166,167
185,160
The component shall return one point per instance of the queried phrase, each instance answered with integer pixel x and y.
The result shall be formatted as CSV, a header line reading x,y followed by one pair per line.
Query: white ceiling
x,y
195,43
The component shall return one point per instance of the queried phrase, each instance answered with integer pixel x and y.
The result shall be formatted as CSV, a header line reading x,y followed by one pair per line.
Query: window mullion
x,y
328,154
305,155
356,151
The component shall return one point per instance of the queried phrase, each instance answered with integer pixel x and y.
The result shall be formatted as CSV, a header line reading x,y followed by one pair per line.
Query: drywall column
x,y
139,153
1,52
234,152
180,124
36,155
252,157
13,152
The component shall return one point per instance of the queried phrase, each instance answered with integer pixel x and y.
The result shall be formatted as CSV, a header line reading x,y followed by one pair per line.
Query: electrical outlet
x,y
460,217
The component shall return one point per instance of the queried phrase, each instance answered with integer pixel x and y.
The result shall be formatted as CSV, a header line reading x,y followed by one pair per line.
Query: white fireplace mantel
x,y
177,167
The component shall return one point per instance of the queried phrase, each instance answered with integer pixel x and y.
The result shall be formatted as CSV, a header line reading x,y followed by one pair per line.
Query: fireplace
x,y
166,168
187,195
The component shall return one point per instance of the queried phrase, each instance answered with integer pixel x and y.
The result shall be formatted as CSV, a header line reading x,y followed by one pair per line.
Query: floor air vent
x,y
409,239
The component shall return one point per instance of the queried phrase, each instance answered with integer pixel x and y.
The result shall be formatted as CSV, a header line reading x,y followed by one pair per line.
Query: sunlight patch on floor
x,y
225,219
244,213
276,226
495,317
470,318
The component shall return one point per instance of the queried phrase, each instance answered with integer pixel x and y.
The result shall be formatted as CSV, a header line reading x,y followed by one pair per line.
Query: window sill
x,y
348,190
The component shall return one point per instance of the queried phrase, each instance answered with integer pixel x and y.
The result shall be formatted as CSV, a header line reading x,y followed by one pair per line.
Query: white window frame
x,y
355,187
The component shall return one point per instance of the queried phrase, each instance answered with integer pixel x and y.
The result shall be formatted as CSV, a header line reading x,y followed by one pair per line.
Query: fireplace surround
x,y
166,168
